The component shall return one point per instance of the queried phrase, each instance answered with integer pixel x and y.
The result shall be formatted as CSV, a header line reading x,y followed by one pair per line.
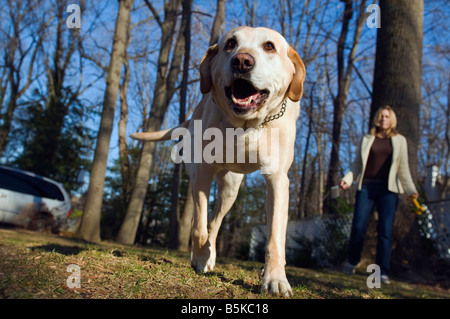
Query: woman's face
x,y
385,120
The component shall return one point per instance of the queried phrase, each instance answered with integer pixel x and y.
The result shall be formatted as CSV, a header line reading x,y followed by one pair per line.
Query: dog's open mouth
x,y
244,96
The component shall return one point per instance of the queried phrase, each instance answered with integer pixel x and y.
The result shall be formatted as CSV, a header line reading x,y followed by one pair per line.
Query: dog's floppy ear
x,y
295,90
205,69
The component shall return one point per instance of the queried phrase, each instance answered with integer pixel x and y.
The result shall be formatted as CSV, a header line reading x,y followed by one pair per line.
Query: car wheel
x,y
42,222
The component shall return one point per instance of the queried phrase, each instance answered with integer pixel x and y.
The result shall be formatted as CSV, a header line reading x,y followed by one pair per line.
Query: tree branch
x,y
154,12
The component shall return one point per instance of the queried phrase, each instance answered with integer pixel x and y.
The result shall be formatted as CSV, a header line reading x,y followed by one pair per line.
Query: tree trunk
x,y
446,176
302,198
123,148
340,100
185,220
175,217
218,22
185,224
398,68
397,82
164,90
90,222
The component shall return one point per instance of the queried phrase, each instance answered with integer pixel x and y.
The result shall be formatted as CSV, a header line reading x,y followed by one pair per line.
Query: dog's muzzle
x,y
243,95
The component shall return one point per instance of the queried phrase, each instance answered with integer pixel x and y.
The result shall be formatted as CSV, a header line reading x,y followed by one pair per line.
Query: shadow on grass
x,y
255,289
60,249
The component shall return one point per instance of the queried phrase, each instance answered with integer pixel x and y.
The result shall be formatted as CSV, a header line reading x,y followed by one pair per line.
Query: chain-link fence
x,y
320,241
434,225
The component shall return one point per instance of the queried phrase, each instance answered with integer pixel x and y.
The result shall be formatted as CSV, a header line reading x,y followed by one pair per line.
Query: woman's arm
x,y
404,173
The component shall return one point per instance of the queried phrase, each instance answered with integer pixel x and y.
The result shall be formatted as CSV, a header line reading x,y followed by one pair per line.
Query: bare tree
x,y
185,217
219,18
307,27
344,79
90,223
19,16
446,157
175,217
165,88
48,137
397,82
124,160
398,68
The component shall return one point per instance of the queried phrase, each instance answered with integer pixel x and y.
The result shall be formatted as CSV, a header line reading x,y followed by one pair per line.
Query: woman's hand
x,y
419,208
343,185
414,196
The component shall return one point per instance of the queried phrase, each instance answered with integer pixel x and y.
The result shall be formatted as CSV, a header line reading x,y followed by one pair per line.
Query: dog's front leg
x,y
201,251
274,278
228,188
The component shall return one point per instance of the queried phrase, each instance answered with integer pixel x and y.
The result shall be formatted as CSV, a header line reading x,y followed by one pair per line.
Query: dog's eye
x,y
231,44
269,47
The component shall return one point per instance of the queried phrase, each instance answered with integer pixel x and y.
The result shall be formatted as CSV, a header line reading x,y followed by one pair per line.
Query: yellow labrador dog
x,y
252,82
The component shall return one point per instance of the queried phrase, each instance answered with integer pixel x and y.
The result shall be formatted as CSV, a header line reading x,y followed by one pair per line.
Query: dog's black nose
x,y
242,62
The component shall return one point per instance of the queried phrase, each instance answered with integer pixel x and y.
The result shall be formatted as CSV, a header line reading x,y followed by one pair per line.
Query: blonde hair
x,y
376,122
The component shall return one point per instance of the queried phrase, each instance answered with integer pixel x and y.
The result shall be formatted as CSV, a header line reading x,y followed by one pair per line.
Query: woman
x,y
383,171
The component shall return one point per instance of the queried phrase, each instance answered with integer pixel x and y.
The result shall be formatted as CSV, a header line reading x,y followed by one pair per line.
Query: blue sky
x,y
98,25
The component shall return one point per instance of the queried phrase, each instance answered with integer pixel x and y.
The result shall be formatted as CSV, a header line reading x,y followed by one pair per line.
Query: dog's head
x,y
250,71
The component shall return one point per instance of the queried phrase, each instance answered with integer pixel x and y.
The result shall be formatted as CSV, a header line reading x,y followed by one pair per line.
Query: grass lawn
x,y
35,266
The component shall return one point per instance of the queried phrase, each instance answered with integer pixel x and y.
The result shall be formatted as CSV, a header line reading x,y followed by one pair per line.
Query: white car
x,y
32,201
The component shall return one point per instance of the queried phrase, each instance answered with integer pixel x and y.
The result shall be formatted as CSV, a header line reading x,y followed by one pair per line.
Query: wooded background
x,y
70,98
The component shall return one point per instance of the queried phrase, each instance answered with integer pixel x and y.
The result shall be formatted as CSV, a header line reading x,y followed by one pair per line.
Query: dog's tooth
x,y
243,103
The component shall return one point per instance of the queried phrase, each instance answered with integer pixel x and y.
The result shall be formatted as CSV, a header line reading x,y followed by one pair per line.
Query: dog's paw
x,y
276,285
203,262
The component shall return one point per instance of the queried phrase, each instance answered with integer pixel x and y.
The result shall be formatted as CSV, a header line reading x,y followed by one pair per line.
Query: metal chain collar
x,y
276,116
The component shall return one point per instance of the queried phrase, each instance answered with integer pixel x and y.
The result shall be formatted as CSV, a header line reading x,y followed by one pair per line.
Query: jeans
x,y
373,194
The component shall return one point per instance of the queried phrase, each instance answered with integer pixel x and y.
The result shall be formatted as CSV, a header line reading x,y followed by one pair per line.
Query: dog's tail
x,y
164,135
